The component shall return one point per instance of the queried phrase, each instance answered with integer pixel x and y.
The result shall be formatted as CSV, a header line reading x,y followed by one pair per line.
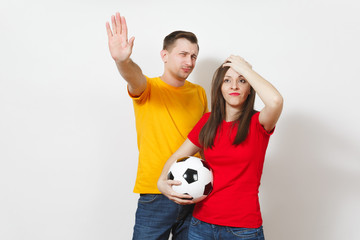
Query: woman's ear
x,y
250,91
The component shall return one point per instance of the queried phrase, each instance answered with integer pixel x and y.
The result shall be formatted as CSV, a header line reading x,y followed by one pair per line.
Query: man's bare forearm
x,y
132,73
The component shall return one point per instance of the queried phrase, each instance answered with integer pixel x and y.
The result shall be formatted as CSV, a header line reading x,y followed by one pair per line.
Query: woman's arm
x,y
164,185
270,96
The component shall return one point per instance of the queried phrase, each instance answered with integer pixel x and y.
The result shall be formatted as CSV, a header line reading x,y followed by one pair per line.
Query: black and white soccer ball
x,y
195,175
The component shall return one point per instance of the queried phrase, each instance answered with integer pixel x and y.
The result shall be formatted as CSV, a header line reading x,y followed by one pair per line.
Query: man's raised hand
x,y
119,45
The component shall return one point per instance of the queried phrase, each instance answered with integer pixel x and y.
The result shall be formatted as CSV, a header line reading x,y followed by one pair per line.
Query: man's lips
x,y
186,69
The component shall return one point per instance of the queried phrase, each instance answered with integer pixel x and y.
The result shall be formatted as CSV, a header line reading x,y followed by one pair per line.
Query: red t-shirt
x,y
237,172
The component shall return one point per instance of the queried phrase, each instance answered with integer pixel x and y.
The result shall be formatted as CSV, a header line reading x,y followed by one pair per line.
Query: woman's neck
x,y
232,114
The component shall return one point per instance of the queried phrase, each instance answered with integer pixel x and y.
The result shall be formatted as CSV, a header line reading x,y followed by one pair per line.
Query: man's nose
x,y
189,61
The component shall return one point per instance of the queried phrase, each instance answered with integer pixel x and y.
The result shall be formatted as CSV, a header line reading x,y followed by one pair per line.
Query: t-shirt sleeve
x,y
193,136
144,95
259,127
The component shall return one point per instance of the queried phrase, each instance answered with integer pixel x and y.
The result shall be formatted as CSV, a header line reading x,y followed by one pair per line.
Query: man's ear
x,y
164,55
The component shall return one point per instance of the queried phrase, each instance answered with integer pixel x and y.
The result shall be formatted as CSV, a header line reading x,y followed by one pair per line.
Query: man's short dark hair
x,y
170,39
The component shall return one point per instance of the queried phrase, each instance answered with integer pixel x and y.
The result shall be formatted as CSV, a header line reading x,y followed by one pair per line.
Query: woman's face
x,y
235,89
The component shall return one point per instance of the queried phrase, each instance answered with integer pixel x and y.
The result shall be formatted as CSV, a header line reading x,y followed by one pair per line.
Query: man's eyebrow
x,y
183,51
186,53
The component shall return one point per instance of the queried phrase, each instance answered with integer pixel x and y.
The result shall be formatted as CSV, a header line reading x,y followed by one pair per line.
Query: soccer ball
x,y
195,175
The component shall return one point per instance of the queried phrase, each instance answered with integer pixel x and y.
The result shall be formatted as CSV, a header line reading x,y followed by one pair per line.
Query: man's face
x,y
180,59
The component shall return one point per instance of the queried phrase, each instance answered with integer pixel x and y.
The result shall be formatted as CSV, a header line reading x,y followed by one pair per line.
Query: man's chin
x,y
185,75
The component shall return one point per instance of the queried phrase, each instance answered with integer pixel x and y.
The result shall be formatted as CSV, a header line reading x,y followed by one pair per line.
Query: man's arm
x,y
120,49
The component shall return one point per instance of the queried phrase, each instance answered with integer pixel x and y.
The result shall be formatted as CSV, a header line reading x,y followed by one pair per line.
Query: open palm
x,y
119,45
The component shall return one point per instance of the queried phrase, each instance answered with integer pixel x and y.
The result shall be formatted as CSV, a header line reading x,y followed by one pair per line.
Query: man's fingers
x,y
113,24
124,29
131,41
108,30
118,23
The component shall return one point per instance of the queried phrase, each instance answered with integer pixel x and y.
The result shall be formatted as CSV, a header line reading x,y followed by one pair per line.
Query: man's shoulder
x,y
152,79
194,85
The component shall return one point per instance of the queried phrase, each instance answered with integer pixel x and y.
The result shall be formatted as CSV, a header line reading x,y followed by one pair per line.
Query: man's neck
x,y
172,81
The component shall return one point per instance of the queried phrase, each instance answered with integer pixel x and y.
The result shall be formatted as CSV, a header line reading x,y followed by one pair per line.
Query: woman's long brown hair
x,y
218,113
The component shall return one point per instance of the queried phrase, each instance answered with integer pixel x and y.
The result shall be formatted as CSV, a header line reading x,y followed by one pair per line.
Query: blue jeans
x,y
200,230
157,216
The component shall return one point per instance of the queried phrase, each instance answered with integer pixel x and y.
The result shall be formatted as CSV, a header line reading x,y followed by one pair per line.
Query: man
x,y
166,109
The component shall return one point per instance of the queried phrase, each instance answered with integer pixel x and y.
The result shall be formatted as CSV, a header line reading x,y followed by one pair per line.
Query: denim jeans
x,y
200,230
157,216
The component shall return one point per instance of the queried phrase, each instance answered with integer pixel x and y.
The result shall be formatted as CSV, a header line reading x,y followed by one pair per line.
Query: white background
x,y
68,153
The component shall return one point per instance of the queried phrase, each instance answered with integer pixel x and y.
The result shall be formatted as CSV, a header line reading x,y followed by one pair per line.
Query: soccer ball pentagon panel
x,y
195,175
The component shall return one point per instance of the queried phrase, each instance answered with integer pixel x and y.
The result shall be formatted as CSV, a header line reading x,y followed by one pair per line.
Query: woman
x,y
234,138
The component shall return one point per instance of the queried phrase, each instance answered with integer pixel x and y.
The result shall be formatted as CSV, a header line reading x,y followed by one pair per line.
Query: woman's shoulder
x,y
203,119
206,115
255,114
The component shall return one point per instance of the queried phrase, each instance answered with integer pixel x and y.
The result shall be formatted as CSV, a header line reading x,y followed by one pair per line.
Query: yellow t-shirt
x,y
164,116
